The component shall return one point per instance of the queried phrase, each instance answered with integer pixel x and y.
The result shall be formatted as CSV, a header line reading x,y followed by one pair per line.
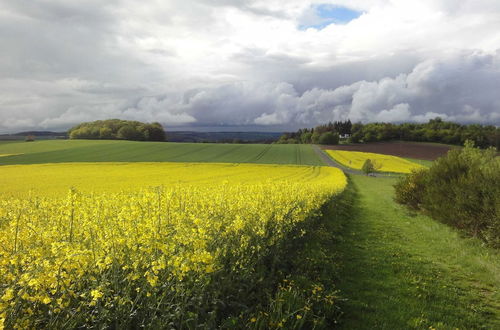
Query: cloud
x,y
399,113
461,88
246,63
149,109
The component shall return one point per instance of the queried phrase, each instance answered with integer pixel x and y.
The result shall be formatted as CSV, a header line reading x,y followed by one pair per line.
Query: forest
x,y
436,130
116,129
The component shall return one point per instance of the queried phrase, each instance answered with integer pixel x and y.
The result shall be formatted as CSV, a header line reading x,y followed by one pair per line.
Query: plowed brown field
x,y
427,151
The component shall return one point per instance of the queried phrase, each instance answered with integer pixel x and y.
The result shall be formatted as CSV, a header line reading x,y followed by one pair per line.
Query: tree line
x,y
322,134
117,129
436,130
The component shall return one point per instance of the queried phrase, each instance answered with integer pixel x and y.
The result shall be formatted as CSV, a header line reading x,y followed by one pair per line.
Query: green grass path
x,y
403,271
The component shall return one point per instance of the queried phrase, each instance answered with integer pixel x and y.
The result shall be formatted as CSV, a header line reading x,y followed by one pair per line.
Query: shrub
x,y
461,189
368,167
409,189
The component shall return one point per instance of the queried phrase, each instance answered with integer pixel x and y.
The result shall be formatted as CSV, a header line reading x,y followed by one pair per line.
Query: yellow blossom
x,y
67,244
383,163
96,294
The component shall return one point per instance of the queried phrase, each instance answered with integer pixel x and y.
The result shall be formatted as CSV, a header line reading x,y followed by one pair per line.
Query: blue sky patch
x,y
327,14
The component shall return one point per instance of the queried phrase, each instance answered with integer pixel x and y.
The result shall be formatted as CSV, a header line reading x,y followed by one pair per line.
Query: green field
x,y
62,151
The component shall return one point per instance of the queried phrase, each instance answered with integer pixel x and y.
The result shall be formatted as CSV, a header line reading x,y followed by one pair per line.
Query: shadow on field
x,y
301,292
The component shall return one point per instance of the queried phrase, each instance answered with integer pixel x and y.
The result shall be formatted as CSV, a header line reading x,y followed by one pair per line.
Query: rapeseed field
x,y
141,245
383,163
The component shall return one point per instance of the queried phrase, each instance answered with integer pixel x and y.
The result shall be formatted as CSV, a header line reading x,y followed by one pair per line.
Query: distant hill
x,y
40,135
178,136
223,137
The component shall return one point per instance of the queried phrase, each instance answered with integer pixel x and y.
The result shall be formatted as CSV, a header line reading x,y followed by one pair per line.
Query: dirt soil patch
x,y
427,151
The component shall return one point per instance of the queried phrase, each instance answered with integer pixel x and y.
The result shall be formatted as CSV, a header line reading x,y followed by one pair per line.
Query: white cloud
x,y
238,62
399,113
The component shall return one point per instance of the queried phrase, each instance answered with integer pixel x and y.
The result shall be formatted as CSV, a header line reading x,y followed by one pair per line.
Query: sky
x,y
263,65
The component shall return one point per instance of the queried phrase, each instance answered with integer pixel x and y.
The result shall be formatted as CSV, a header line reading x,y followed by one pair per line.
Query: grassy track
x,y
407,271
60,151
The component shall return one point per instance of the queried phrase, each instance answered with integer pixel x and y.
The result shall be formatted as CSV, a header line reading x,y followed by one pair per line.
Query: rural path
x,y
330,162
406,271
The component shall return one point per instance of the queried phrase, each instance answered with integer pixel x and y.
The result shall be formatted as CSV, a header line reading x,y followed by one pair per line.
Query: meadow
x,y
382,163
62,151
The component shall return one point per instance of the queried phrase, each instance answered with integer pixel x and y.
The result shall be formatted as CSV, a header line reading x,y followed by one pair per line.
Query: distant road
x,y
330,162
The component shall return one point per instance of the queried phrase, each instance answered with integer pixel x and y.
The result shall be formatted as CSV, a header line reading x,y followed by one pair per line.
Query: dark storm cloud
x,y
461,87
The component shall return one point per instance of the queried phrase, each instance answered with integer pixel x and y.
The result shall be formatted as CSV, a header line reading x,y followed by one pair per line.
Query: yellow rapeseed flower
x,y
114,221
383,163
96,294
8,295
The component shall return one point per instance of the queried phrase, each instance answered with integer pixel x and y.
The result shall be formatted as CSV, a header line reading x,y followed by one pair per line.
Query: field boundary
x,y
306,272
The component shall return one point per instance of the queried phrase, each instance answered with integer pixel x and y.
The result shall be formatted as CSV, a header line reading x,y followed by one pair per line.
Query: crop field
x,y
135,242
107,234
415,150
57,179
383,163
63,151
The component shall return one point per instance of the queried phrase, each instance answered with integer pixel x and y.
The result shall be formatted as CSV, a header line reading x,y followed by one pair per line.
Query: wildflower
x,y
96,294
8,295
